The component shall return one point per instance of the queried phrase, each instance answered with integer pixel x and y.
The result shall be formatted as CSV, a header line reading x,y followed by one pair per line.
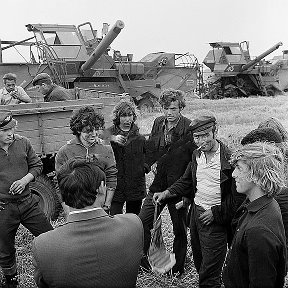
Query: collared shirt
x,y
7,99
168,131
257,257
208,181
84,210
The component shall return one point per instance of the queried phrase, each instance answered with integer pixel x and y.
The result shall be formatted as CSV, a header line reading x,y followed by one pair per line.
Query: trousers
x,y
178,218
25,211
131,207
209,246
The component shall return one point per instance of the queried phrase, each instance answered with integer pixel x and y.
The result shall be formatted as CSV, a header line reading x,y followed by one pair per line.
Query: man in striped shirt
x,y
208,177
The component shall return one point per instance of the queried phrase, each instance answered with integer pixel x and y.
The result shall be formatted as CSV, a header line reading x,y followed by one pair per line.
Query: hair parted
x,y
86,117
266,166
171,95
9,76
124,108
79,182
275,124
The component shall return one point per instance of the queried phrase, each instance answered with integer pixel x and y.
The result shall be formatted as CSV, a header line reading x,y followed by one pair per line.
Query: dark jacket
x,y
130,163
282,200
230,199
257,257
171,159
57,93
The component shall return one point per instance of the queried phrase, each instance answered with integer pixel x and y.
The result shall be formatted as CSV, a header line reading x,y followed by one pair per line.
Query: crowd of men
x,y
235,203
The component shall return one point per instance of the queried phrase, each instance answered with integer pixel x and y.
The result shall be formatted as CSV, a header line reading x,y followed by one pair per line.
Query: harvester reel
x,y
240,83
270,92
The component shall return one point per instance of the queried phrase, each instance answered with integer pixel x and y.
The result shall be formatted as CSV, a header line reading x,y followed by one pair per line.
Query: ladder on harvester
x,y
57,66
260,84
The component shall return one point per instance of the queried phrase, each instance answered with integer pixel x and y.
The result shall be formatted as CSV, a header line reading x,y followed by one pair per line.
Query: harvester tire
x,y
145,105
46,191
270,92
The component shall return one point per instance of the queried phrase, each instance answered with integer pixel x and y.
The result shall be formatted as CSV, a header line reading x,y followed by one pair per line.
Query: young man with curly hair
x,y
129,149
173,147
258,254
86,124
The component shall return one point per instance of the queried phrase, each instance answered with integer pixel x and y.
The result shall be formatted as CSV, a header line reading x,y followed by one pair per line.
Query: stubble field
x,y
235,118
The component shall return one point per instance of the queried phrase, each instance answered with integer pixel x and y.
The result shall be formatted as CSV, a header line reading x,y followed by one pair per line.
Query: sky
x,y
158,25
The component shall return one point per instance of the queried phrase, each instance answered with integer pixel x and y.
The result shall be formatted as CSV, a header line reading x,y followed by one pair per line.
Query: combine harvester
x,y
236,75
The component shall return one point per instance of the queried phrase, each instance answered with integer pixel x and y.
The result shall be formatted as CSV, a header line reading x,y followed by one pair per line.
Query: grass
x,y
235,117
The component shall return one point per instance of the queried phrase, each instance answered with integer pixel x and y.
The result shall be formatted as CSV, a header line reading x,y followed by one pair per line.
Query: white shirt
x,y
7,99
84,210
208,181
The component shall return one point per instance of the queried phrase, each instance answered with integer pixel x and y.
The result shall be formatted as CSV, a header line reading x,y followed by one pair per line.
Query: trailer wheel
x,y
145,105
45,190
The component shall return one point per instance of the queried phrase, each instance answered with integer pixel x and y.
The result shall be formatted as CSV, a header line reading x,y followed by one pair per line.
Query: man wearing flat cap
x,y
208,178
19,166
50,90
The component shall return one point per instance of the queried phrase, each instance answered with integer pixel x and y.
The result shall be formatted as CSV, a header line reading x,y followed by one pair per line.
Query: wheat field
x,y
235,118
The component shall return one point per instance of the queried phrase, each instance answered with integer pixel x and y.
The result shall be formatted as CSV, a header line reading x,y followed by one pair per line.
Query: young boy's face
x,y
126,120
240,173
6,136
172,112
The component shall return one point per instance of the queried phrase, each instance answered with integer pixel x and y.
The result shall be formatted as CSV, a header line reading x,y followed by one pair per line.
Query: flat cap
x,y
262,135
203,124
41,76
6,120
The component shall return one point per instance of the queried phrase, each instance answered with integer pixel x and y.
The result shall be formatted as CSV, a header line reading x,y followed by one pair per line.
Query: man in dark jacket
x,y
208,180
172,152
130,149
51,91
257,257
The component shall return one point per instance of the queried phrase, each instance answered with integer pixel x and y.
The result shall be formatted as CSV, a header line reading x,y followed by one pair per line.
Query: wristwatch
x,y
106,208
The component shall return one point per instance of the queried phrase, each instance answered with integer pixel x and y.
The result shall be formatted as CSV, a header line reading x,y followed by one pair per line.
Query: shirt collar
x,y
84,210
258,204
164,125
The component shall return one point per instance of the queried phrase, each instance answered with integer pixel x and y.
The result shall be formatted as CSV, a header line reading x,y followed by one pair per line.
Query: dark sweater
x,y
57,93
20,160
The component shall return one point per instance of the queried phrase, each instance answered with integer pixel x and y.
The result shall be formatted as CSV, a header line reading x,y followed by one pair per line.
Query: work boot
x,y
11,281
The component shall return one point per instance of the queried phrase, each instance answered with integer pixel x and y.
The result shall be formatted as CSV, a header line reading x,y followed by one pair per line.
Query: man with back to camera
x,y
257,257
12,94
172,152
19,166
92,249
50,90
208,180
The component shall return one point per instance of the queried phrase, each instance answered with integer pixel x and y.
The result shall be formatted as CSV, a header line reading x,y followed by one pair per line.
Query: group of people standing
x,y
233,200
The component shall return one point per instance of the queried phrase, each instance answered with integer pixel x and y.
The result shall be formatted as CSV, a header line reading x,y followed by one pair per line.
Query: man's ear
x,y
101,195
215,132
